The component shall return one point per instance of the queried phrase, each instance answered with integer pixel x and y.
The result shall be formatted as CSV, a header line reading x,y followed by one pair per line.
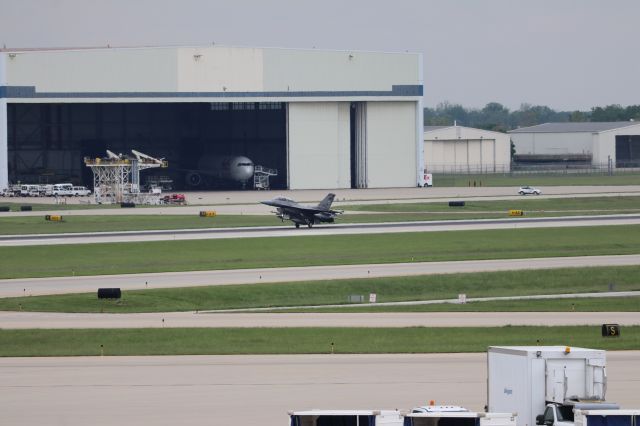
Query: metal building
x,y
613,144
324,119
459,149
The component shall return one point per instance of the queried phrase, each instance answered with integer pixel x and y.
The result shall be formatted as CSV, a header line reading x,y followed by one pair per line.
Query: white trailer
x,y
467,418
421,416
345,418
524,379
607,417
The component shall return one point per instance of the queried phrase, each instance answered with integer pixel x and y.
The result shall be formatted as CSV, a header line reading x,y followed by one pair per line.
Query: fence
x,y
528,168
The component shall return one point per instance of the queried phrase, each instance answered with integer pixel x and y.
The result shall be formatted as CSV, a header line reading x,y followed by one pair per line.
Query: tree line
x,y
495,116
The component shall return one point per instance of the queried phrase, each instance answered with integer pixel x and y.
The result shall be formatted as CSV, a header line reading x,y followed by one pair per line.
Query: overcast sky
x,y
567,54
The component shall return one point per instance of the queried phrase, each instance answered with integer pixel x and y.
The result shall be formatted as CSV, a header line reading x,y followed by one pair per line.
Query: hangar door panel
x,y
319,145
391,144
627,151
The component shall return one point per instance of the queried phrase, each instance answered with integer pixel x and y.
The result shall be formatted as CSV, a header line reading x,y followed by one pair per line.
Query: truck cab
x,y
556,415
567,414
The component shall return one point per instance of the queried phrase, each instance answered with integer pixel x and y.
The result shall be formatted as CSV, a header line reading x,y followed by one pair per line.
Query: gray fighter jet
x,y
287,209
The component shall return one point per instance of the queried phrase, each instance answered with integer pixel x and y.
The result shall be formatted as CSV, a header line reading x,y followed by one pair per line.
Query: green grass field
x,y
401,212
163,256
392,289
23,225
533,179
221,341
531,205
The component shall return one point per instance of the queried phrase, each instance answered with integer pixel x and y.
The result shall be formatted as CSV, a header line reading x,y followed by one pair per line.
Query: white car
x,y
529,190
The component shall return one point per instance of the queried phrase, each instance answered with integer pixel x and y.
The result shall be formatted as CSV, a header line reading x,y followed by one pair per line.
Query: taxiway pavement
x,y
84,284
49,320
250,390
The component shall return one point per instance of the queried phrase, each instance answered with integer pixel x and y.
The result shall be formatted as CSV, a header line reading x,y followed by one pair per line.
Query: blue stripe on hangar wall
x,y
29,92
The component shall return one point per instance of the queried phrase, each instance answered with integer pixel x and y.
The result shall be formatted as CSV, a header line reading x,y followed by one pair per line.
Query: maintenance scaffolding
x,y
261,177
116,178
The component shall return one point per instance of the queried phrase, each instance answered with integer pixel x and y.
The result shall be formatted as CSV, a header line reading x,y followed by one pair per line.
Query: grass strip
x,y
578,304
388,289
235,341
24,225
536,179
531,205
164,256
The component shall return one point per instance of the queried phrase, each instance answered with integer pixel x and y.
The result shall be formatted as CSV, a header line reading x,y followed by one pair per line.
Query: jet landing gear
x,y
309,224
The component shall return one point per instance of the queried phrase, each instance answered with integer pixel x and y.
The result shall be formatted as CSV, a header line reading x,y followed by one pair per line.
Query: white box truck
x,y
525,379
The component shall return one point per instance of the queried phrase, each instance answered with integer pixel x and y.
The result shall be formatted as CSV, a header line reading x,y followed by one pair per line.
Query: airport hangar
x,y
604,145
324,119
460,149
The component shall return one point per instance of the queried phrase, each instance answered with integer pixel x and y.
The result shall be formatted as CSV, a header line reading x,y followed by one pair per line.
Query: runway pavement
x,y
28,320
63,285
250,390
335,229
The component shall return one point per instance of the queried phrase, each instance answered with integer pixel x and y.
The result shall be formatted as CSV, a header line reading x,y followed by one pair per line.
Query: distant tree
x,y
615,113
494,116
579,116
608,113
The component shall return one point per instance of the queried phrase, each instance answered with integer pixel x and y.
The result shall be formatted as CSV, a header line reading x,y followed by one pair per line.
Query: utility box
x,y
524,379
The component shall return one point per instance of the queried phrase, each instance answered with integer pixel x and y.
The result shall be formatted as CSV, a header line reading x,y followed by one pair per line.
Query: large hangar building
x,y
464,150
324,119
606,144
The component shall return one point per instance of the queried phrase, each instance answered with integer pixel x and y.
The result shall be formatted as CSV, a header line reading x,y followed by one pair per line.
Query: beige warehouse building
x,y
324,119
604,144
459,149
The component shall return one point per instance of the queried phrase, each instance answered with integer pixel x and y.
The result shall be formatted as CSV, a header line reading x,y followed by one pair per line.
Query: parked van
x,y
62,189
30,191
80,191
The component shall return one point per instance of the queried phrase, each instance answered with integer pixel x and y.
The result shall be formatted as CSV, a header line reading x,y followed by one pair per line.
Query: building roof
x,y
428,129
575,127
431,128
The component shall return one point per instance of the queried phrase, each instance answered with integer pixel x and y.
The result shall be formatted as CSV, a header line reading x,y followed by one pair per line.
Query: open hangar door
x,y
47,142
627,151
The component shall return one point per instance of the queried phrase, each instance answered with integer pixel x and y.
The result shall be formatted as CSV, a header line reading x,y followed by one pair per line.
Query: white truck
x,y
542,383
420,416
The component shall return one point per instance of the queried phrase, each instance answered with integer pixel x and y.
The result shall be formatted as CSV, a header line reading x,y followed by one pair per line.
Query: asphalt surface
x,y
250,390
335,229
29,320
63,285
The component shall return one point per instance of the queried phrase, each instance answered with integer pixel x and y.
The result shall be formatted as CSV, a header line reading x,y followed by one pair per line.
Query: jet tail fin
x,y
326,203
